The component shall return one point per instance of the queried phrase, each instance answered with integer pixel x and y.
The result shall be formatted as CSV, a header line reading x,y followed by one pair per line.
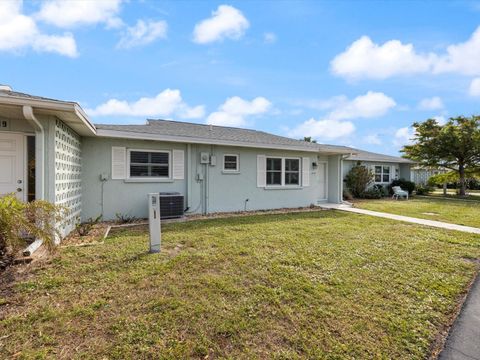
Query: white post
x,y
154,222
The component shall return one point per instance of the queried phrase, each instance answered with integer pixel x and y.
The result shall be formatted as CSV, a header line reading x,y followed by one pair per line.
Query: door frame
x,y
25,160
325,163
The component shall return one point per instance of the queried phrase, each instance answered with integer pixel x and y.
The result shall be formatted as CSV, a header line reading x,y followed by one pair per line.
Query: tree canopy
x,y
454,145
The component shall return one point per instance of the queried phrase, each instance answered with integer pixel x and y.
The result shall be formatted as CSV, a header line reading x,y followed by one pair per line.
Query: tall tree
x,y
455,145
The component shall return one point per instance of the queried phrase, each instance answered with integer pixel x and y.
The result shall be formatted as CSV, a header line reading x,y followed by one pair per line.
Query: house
x,y
50,150
385,168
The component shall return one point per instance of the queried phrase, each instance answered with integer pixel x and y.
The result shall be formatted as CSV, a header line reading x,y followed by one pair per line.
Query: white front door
x,y
12,166
322,180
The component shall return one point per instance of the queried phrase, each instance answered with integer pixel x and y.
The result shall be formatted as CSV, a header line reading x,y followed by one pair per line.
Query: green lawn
x,y
321,284
451,193
450,211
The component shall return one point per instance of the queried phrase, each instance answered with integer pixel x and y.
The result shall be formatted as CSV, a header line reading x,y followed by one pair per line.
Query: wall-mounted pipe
x,y
39,151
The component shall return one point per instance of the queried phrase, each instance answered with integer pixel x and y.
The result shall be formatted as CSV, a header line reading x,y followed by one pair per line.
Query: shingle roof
x,y
362,155
216,133
30,97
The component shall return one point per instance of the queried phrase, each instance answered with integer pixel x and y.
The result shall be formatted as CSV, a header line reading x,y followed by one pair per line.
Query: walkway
x,y
463,342
437,224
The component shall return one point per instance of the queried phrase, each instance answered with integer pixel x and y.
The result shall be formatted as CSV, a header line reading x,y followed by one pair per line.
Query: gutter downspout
x,y
39,166
39,151
343,157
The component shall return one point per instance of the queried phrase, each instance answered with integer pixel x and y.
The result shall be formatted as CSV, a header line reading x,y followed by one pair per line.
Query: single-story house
x,y
50,150
385,168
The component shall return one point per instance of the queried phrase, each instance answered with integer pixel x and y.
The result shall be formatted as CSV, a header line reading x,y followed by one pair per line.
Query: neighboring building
x,y
420,175
385,168
50,150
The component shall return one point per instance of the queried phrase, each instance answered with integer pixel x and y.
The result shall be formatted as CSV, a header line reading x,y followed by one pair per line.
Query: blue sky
x,y
352,73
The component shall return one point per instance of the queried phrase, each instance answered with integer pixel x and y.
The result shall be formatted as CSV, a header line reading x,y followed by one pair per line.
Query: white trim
x,y
326,179
230,171
381,174
283,185
195,140
149,178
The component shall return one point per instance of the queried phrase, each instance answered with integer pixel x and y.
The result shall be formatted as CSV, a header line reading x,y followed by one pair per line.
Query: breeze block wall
x,y
68,170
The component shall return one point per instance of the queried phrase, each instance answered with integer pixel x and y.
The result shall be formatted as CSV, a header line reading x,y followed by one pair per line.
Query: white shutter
x,y
261,171
393,173
119,162
306,171
178,164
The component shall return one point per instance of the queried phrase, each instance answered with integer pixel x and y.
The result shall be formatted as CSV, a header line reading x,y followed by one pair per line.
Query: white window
x,y
282,171
148,164
382,174
231,163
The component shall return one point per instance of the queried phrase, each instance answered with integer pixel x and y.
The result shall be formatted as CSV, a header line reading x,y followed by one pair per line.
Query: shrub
x,y
19,220
423,189
358,179
125,218
84,228
373,193
404,184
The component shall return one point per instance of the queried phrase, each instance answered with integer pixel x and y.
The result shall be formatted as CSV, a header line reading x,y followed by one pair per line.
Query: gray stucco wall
x,y
217,192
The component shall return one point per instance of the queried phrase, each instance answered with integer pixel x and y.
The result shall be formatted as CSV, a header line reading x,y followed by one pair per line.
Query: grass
x,y
452,194
310,285
450,211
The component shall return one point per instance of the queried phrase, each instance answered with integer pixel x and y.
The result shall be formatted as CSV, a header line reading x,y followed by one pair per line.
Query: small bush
x,y
125,218
375,192
84,228
423,189
358,180
404,184
19,220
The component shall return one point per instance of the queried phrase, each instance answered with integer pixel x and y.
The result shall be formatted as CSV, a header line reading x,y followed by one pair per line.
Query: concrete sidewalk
x,y
437,224
463,342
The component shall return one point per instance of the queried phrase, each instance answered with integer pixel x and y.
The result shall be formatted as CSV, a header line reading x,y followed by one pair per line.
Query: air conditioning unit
x,y
171,205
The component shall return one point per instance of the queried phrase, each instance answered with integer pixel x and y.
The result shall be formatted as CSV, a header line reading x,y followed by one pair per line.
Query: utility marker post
x,y
154,222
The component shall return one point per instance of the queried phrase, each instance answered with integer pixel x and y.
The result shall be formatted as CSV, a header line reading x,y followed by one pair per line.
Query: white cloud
x,y
372,139
235,110
324,129
19,32
226,22
269,38
434,103
167,103
403,136
143,33
68,14
461,58
474,89
366,59
440,119
372,104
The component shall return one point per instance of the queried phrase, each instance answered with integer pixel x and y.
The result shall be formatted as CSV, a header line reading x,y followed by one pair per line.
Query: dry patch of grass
x,y
317,285
450,211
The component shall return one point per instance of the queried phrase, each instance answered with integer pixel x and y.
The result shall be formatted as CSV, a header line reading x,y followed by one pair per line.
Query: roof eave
x,y
197,140
52,105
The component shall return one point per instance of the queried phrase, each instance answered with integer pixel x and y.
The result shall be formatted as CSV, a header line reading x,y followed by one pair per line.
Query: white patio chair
x,y
399,193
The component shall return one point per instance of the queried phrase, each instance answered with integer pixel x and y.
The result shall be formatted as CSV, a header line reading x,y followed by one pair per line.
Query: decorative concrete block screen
x,y
68,168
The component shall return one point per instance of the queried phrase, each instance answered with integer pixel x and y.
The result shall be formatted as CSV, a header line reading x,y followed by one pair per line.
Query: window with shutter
x,y
148,164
